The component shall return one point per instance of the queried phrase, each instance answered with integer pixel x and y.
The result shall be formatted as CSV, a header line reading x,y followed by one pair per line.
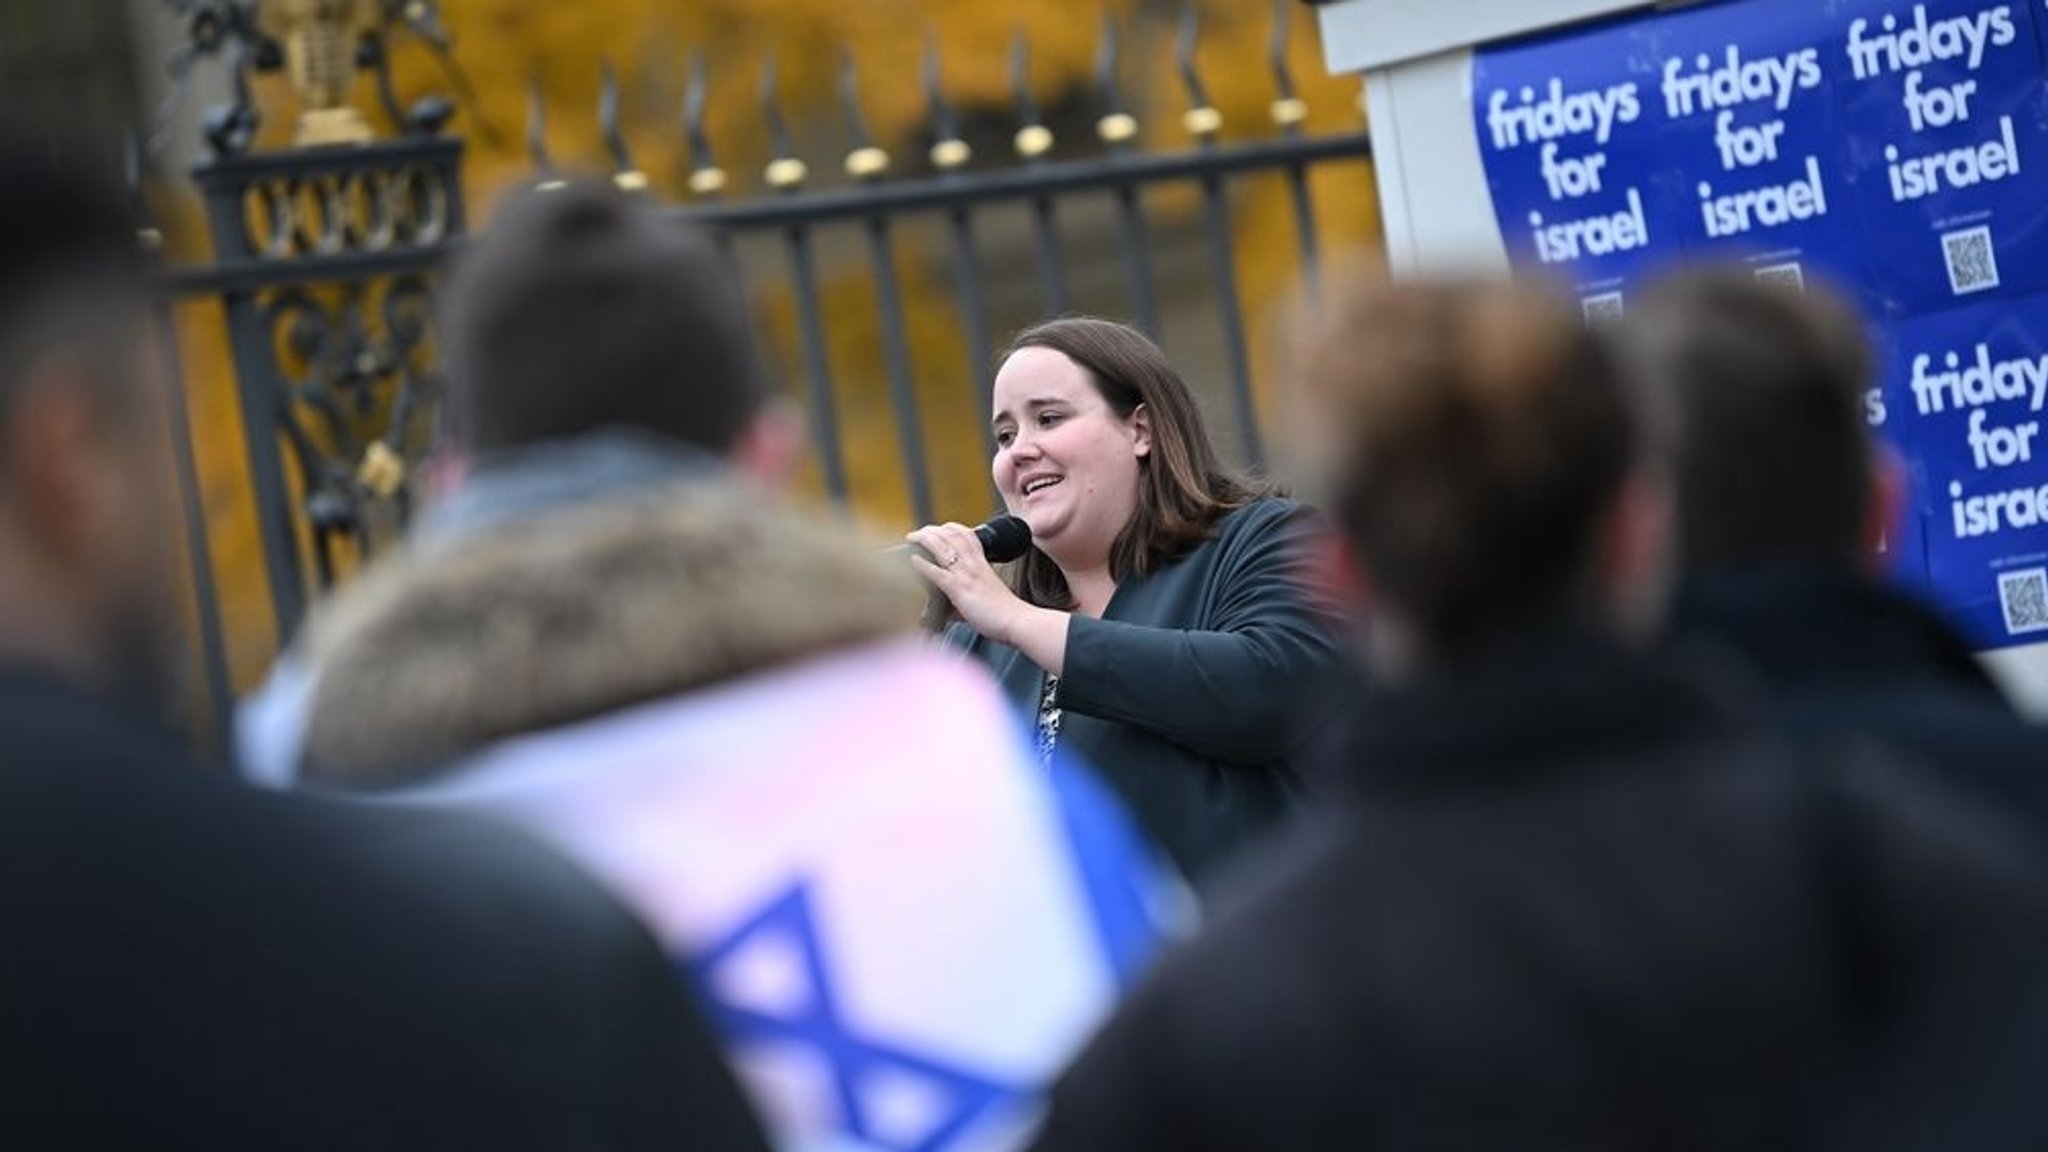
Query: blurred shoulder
x,y
1923,832
1265,514
1270,536
1247,531
1285,875
1258,977
1271,903
457,889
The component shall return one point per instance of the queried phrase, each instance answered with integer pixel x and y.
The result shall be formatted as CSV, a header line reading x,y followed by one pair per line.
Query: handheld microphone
x,y
1003,539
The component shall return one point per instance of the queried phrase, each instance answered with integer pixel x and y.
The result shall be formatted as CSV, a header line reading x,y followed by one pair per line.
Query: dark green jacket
x,y
1191,695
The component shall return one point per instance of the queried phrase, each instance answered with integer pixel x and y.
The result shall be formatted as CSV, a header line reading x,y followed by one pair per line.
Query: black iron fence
x,y
325,259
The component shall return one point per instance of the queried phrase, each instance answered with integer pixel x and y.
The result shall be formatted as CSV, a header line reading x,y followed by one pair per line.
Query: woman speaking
x,y
1158,627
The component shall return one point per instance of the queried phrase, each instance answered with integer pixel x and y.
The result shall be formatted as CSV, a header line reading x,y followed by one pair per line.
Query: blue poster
x,y
1946,121
1568,132
1896,148
1752,141
1971,385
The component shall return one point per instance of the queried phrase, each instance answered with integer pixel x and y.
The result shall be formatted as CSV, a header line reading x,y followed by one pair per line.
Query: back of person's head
x,y
84,530
69,262
1485,458
584,309
1776,461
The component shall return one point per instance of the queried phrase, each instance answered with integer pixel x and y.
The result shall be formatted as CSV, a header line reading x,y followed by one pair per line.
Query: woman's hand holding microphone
x,y
955,564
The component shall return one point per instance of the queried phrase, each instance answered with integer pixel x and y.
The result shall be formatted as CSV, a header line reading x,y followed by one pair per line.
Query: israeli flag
x,y
904,926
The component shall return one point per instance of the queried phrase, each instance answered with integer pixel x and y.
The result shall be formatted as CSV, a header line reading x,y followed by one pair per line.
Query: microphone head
x,y
1004,538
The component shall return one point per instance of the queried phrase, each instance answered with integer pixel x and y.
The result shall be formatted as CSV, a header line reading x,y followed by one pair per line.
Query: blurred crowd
x,y
1553,769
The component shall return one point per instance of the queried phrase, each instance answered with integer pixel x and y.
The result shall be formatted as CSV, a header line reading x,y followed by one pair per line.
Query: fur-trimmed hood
x,y
444,650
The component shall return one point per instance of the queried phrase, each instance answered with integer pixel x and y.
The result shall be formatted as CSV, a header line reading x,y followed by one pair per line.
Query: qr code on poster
x,y
1783,277
1602,308
2024,596
1972,262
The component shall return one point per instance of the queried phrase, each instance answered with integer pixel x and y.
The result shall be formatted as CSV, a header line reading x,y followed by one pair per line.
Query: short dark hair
x,y
584,308
1775,455
1477,433
69,258
1183,488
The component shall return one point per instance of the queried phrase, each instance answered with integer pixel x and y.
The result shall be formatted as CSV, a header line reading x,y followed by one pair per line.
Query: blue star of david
x,y
818,1025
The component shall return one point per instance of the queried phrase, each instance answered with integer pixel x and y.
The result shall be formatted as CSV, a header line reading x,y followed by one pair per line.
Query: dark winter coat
x,y
1573,900
1838,654
1192,694
190,962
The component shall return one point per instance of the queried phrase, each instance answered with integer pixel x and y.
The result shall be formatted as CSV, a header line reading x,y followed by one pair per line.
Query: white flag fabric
x,y
904,926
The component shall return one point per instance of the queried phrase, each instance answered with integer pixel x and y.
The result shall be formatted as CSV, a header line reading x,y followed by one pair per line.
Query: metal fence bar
x,y
1304,226
1138,261
1288,113
234,276
1052,269
803,268
973,301
220,692
786,174
1033,141
896,355
625,173
1204,122
213,664
323,512
1119,131
868,162
949,155
1050,178
706,180
262,419
1223,274
537,129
